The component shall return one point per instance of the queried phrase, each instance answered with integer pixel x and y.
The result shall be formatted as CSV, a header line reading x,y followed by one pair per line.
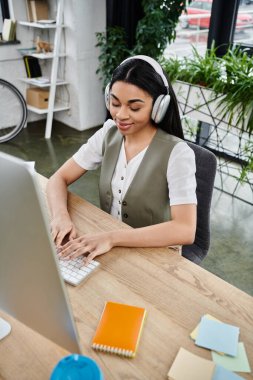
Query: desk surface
x,y
175,292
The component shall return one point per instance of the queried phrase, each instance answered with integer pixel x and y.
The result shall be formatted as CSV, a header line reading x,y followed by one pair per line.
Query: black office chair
x,y
206,165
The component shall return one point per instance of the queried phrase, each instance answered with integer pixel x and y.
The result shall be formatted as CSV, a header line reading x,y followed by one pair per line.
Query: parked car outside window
x,y
198,13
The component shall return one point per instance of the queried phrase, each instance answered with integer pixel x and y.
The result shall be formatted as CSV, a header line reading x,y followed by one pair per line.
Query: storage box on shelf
x,y
37,97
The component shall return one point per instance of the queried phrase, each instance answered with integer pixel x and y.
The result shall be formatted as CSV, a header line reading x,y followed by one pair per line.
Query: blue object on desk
x,y
218,336
221,373
76,367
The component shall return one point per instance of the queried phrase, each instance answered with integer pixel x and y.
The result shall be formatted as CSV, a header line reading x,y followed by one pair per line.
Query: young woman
x,y
147,171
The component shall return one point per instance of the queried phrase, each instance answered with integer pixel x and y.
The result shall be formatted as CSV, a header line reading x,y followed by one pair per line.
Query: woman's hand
x,y
62,227
90,245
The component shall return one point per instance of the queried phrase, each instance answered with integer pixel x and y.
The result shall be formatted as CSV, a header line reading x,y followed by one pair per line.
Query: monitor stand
x,y
5,328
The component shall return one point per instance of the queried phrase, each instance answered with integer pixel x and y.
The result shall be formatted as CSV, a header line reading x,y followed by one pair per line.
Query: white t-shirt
x,y
180,171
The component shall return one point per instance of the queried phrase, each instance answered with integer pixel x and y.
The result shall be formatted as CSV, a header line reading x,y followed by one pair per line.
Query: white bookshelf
x,y
54,56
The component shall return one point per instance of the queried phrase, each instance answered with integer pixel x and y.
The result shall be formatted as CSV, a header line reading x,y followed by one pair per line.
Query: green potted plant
x,y
218,91
229,78
153,32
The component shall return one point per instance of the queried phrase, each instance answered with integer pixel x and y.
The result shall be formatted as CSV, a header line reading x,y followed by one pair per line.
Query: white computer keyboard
x,y
72,271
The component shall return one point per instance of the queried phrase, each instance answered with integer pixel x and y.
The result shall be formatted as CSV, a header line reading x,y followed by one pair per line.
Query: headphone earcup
x,y
107,96
160,107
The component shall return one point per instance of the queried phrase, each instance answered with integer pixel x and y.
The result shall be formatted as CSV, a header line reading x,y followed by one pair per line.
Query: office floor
x,y
231,252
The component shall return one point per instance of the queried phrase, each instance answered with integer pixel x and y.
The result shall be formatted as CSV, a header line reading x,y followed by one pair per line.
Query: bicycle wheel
x,y
13,111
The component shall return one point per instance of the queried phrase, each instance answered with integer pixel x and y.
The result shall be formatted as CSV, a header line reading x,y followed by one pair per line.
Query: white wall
x,y
82,19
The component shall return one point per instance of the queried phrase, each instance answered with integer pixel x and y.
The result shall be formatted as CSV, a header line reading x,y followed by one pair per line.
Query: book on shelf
x,y
32,66
119,329
47,22
37,10
9,30
43,81
38,81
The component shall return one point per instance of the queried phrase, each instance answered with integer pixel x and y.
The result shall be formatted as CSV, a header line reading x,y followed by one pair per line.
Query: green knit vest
x,y
146,201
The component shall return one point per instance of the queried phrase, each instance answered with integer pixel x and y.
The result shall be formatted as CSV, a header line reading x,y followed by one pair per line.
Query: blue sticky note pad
x,y
221,373
218,336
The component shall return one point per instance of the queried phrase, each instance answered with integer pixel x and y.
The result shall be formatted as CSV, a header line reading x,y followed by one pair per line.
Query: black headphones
x,y
162,102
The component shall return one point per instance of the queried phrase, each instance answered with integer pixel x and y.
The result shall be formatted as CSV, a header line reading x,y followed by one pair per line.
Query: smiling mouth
x,y
124,126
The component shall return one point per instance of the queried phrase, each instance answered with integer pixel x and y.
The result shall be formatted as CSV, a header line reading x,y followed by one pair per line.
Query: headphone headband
x,y
156,66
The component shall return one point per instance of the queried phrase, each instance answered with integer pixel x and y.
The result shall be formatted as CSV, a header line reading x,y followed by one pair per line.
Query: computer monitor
x,y
31,286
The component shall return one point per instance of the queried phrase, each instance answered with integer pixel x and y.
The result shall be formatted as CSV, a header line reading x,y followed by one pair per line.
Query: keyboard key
x,y
74,272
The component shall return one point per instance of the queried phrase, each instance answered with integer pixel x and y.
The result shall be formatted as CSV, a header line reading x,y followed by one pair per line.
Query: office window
x,y
1,20
4,12
192,29
197,4
244,24
207,6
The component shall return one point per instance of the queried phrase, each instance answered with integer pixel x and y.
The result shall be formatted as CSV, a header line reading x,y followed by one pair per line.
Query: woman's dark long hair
x,y
141,74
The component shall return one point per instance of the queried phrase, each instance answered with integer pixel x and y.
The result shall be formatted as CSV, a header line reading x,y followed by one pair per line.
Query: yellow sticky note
x,y
191,367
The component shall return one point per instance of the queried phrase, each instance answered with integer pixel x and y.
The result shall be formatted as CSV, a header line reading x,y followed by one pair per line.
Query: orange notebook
x,y
119,329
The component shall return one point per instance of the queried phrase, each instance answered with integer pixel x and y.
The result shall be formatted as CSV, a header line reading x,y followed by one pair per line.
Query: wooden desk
x,y
175,292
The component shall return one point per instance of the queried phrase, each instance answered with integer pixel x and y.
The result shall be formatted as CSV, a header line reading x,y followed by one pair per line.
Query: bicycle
x,y
13,111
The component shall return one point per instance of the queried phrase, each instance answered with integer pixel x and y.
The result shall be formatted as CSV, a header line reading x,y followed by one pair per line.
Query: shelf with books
x,y
45,52
49,55
38,82
47,24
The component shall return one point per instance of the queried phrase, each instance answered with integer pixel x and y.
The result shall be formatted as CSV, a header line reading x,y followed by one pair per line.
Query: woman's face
x,y
130,108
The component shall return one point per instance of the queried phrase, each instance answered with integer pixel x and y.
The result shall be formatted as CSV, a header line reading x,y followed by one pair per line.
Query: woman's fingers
x,y
73,249
59,235
62,228
91,256
72,234
59,238
88,245
54,233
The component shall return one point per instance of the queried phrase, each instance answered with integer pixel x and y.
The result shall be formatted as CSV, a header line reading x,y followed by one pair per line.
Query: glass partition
x,y
192,29
198,104
244,23
1,20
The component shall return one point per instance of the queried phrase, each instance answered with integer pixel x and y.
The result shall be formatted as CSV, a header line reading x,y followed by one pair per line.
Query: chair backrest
x,y
206,165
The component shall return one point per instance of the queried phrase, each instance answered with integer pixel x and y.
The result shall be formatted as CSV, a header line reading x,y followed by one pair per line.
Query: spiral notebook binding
x,y
113,350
